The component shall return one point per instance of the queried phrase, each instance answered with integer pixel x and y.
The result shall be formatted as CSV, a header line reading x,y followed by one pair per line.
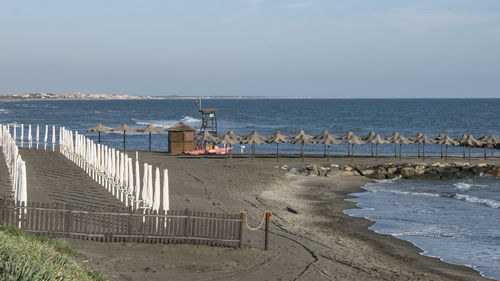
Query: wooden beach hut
x,y
180,138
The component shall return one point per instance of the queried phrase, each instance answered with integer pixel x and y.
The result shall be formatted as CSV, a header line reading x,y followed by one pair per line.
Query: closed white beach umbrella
x,y
166,199
22,135
137,182
37,135
145,184
23,190
53,137
130,178
14,134
46,137
30,138
150,185
156,196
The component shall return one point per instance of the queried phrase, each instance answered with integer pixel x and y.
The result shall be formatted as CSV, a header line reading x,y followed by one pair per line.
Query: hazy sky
x,y
323,48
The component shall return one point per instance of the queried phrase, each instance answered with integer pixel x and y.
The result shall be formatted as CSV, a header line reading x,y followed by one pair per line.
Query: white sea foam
x,y
169,123
428,194
477,200
462,186
5,111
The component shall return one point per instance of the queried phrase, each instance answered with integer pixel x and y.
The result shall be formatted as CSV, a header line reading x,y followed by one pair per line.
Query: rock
x,y
348,168
392,170
420,169
380,174
292,170
367,172
408,172
495,172
291,210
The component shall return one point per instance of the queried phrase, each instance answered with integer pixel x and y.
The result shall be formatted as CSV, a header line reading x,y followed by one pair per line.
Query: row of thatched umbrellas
x,y
124,128
372,138
325,138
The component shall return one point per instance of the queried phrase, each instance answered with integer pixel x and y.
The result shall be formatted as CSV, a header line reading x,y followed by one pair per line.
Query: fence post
x,y
240,243
129,226
67,218
186,227
267,232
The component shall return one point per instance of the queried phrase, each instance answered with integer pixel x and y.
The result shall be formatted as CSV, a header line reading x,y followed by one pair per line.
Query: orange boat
x,y
215,150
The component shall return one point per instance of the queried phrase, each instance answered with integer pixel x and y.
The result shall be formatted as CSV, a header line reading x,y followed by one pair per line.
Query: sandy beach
x,y
310,238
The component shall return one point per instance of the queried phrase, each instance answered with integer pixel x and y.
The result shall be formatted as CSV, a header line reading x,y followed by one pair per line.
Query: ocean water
x,y
455,220
384,116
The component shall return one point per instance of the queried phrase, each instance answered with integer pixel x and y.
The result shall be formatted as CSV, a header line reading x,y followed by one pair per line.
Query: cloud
x,y
300,5
410,17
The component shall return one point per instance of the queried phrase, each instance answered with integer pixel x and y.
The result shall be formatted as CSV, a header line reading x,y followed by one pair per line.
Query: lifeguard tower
x,y
209,121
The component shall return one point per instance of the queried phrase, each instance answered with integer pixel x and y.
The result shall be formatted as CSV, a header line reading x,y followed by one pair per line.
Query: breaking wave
x,y
462,186
165,124
477,200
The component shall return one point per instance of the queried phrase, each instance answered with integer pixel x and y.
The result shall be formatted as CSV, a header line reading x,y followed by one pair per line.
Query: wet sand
x,y
319,242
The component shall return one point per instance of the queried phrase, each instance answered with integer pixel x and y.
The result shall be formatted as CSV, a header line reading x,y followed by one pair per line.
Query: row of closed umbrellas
x,y
351,139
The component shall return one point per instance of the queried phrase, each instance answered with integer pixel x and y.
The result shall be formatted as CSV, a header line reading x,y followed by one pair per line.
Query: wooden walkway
x,y
54,179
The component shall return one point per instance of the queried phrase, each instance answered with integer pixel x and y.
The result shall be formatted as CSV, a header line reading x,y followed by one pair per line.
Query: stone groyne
x,y
405,170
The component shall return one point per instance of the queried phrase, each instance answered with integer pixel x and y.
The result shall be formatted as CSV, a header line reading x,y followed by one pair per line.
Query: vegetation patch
x,y
27,257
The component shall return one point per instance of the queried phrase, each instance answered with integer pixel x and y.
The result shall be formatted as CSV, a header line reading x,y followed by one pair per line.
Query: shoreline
x,y
401,253
421,251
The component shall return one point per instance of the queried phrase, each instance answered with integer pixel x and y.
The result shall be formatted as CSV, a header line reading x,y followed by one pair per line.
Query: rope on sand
x,y
261,222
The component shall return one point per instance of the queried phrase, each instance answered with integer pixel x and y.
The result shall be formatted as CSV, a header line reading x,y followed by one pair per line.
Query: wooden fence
x,y
124,224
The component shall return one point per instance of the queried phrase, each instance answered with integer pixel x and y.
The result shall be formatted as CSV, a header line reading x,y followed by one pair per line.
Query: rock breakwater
x,y
406,170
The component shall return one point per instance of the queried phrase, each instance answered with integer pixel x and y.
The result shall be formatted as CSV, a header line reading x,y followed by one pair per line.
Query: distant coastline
x,y
82,96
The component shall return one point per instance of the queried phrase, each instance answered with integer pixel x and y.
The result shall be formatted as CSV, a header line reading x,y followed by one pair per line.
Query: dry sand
x,y
317,243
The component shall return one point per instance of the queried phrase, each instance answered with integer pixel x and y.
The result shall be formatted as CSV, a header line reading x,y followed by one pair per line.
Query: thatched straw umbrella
x,y
415,140
471,141
462,142
401,140
484,141
301,138
352,140
491,143
99,128
345,138
253,138
391,139
422,139
440,139
124,128
328,140
228,139
377,139
277,138
448,141
368,139
150,129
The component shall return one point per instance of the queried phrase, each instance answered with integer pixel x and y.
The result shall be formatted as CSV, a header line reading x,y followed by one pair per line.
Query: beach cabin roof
x,y
181,127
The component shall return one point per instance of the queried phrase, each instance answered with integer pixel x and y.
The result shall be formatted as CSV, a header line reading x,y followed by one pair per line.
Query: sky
x,y
312,48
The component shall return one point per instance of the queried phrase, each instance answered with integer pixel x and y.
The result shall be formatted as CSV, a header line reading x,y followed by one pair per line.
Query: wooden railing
x,y
124,224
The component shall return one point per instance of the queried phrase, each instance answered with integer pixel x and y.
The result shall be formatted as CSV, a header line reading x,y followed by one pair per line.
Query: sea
x,y
455,220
